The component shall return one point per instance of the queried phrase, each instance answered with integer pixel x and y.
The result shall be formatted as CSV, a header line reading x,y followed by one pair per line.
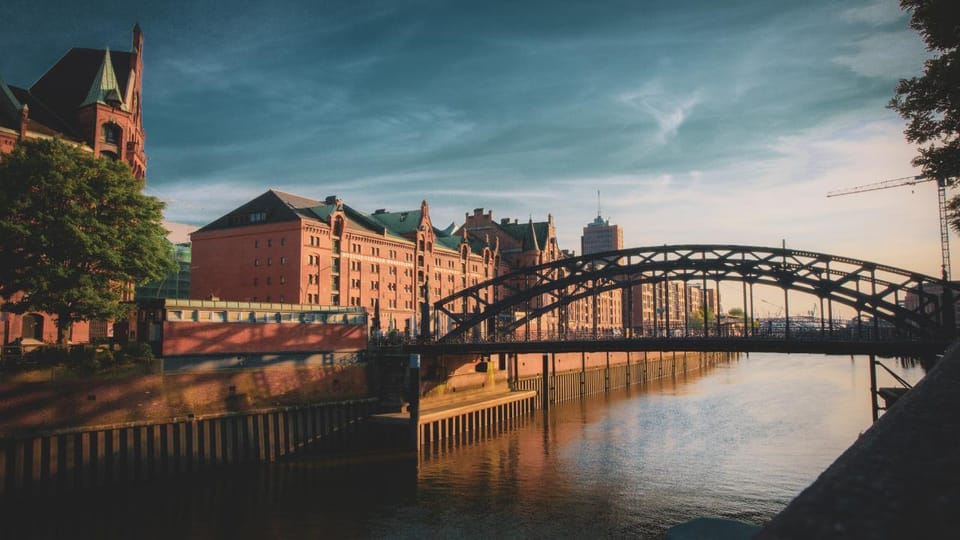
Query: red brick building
x,y
90,97
285,248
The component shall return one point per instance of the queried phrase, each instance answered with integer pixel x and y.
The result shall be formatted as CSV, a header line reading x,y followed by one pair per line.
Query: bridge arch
x,y
879,290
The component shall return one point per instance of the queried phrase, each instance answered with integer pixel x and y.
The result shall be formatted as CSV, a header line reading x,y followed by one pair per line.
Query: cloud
x,y
876,13
667,110
889,55
761,201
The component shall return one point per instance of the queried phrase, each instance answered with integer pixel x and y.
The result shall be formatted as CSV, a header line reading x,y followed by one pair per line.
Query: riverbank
x,y
900,479
41,404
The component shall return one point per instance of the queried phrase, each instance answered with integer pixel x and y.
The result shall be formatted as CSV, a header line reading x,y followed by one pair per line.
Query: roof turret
x,y
105,88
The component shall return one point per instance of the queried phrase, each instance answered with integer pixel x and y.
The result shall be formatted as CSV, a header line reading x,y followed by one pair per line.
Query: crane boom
x,y
886,184
911,181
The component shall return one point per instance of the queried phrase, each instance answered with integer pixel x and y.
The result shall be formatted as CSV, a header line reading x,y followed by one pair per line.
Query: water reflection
x,y
739,441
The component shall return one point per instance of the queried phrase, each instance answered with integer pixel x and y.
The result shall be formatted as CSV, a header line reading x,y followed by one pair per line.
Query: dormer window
x,y
111,134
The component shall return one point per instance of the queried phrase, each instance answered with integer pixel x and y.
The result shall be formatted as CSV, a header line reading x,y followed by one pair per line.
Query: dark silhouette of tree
x,y
931,103
75,234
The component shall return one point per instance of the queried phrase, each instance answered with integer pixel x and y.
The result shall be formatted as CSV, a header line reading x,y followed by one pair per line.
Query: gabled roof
x,y
532,235
275,207
402,223
41,118
9,107
65,86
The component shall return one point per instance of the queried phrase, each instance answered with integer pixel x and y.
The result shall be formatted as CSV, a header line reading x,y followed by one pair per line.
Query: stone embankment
x,y
901,479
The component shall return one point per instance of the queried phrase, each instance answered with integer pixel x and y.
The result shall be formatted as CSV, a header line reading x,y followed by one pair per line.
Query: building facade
x,y
91,98
284,248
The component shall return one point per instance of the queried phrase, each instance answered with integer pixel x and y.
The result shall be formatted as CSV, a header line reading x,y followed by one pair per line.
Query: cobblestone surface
x,y
901,479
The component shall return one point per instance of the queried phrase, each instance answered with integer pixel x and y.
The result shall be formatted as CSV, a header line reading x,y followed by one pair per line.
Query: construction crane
x,y
912,181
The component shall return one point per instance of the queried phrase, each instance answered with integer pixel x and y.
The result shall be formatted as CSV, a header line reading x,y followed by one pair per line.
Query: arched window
x,y
111,133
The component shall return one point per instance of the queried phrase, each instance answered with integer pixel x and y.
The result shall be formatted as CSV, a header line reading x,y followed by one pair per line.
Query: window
x,y
269,261
111,133
269,242
283,241
255,282
283,281
268,281
257,217
283,260
256,262
256,243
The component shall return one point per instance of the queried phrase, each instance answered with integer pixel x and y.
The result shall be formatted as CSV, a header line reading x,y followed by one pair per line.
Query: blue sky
x,y
698,121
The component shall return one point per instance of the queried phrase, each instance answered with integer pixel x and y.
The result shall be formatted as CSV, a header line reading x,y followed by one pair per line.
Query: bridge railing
x,y
761,332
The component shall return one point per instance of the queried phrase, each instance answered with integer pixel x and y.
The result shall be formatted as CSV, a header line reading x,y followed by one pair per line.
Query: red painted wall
x,y
181,338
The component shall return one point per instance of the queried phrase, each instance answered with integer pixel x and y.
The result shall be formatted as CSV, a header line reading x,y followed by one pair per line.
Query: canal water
x,y
738,441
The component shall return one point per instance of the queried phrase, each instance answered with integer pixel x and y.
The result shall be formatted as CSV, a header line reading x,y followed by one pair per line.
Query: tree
x,y
931,103
735,312
695,318
75,233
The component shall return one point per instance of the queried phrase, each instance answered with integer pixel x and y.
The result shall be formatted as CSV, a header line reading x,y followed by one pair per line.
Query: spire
x,y
533,236
105,88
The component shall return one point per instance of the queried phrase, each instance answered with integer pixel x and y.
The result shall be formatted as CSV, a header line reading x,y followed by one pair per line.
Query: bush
x,y
139,352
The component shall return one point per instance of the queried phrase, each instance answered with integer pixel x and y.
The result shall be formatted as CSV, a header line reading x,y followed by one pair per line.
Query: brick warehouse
x,y
91,97
285,248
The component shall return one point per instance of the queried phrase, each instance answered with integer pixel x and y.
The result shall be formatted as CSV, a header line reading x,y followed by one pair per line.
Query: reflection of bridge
x,y
897,310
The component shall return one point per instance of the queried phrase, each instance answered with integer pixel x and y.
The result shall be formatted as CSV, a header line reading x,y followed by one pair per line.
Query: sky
x,y
697,121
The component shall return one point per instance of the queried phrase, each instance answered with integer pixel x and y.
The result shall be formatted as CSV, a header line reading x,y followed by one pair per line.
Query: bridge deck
x,y
904,347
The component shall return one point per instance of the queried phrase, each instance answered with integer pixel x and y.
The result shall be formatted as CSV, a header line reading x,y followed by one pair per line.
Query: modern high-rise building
x,y
606,313
599,235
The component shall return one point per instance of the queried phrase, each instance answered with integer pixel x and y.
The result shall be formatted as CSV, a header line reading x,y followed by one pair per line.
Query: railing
x,y
862,334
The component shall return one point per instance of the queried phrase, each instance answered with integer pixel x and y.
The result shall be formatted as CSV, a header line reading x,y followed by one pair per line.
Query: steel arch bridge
x,y
499,306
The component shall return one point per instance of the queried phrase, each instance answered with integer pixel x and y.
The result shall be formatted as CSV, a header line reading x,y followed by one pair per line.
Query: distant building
x,y
284,248
176,284
524,244
90,97
521,244
599,236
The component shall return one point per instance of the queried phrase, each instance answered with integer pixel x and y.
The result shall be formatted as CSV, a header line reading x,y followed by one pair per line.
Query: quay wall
x,y
64,460
900,479
466,373
636,368
570,376
56,402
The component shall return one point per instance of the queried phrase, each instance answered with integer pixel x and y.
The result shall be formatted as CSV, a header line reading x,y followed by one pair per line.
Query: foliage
x,y
931,103
695,318
75,233
735,312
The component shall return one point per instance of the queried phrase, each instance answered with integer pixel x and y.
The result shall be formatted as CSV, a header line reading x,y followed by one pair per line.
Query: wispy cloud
x,y
668,110
889,55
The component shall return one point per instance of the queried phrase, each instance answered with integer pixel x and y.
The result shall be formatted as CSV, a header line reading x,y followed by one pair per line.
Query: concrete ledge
x,y
901,479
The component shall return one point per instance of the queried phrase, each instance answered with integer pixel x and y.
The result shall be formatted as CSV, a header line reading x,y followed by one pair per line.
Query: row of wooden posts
x,y
53,462
48,463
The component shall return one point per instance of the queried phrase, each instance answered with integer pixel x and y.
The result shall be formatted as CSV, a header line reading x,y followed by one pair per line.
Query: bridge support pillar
x,y
606,375
545,389
628,369
875,407
583,374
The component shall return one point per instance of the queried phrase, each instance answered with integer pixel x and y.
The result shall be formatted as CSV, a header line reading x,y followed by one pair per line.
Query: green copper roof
x,y
105,88
399,222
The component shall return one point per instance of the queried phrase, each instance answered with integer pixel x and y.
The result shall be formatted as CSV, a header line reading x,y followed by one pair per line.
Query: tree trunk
x,y
64,324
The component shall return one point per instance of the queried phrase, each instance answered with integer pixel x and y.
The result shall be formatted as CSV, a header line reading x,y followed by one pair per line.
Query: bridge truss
x,y
499,306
